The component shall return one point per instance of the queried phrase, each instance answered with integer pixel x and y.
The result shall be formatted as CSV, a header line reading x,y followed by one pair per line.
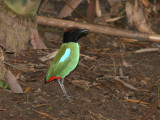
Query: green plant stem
x,y
158,87
13,66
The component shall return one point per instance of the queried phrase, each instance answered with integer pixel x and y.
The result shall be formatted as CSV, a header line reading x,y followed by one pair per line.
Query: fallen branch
x,y
98,29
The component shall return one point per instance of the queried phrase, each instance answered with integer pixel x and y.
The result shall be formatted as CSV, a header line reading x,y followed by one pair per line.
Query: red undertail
x,y
52,78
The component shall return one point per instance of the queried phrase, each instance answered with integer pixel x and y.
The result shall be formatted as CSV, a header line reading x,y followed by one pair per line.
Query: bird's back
x,y
65,61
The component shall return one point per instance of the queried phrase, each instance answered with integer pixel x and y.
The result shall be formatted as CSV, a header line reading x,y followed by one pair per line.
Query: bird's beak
x,y
84,31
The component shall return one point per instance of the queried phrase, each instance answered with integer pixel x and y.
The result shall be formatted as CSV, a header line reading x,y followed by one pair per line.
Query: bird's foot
x,y
68,97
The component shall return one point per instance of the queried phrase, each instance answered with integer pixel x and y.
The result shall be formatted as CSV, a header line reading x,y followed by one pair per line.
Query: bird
x,y
67,57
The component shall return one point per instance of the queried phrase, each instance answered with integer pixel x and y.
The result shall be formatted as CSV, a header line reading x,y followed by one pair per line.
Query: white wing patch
x,y
66,55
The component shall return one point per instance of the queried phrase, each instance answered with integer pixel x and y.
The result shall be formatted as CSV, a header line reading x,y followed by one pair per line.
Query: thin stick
x,y
45,114
13,66
137,101
98,29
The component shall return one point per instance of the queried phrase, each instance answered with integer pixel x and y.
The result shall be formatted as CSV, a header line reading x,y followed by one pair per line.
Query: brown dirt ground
x,y
96,94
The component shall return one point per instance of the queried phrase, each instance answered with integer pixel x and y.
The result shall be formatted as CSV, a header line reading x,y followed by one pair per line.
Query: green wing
x,y
61,69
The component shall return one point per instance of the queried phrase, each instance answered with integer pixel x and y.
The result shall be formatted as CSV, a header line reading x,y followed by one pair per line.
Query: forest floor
x,y
111,82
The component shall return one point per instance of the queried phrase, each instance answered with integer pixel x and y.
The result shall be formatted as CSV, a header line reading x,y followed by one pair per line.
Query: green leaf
x,y
1,84
156,85
6,86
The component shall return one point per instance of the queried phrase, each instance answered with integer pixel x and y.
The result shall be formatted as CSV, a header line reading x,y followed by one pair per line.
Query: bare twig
x,y
147,50
136,101
41,105
126,84
88,57
121,72
45,114
98,29
12,66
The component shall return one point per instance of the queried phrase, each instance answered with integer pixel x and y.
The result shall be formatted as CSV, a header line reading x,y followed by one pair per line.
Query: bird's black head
x,y
73,34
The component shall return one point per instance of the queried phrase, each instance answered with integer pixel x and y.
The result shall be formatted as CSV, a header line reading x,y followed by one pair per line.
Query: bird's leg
x,y
61,81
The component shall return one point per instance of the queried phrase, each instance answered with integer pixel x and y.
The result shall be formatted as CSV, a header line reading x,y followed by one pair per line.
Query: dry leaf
x,y
145,3
27,90
137,17
98,9
113,19
68,8
125,64
13,83
49,56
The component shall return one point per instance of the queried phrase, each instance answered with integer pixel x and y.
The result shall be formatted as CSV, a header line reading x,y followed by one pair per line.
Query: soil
x,y
92,86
